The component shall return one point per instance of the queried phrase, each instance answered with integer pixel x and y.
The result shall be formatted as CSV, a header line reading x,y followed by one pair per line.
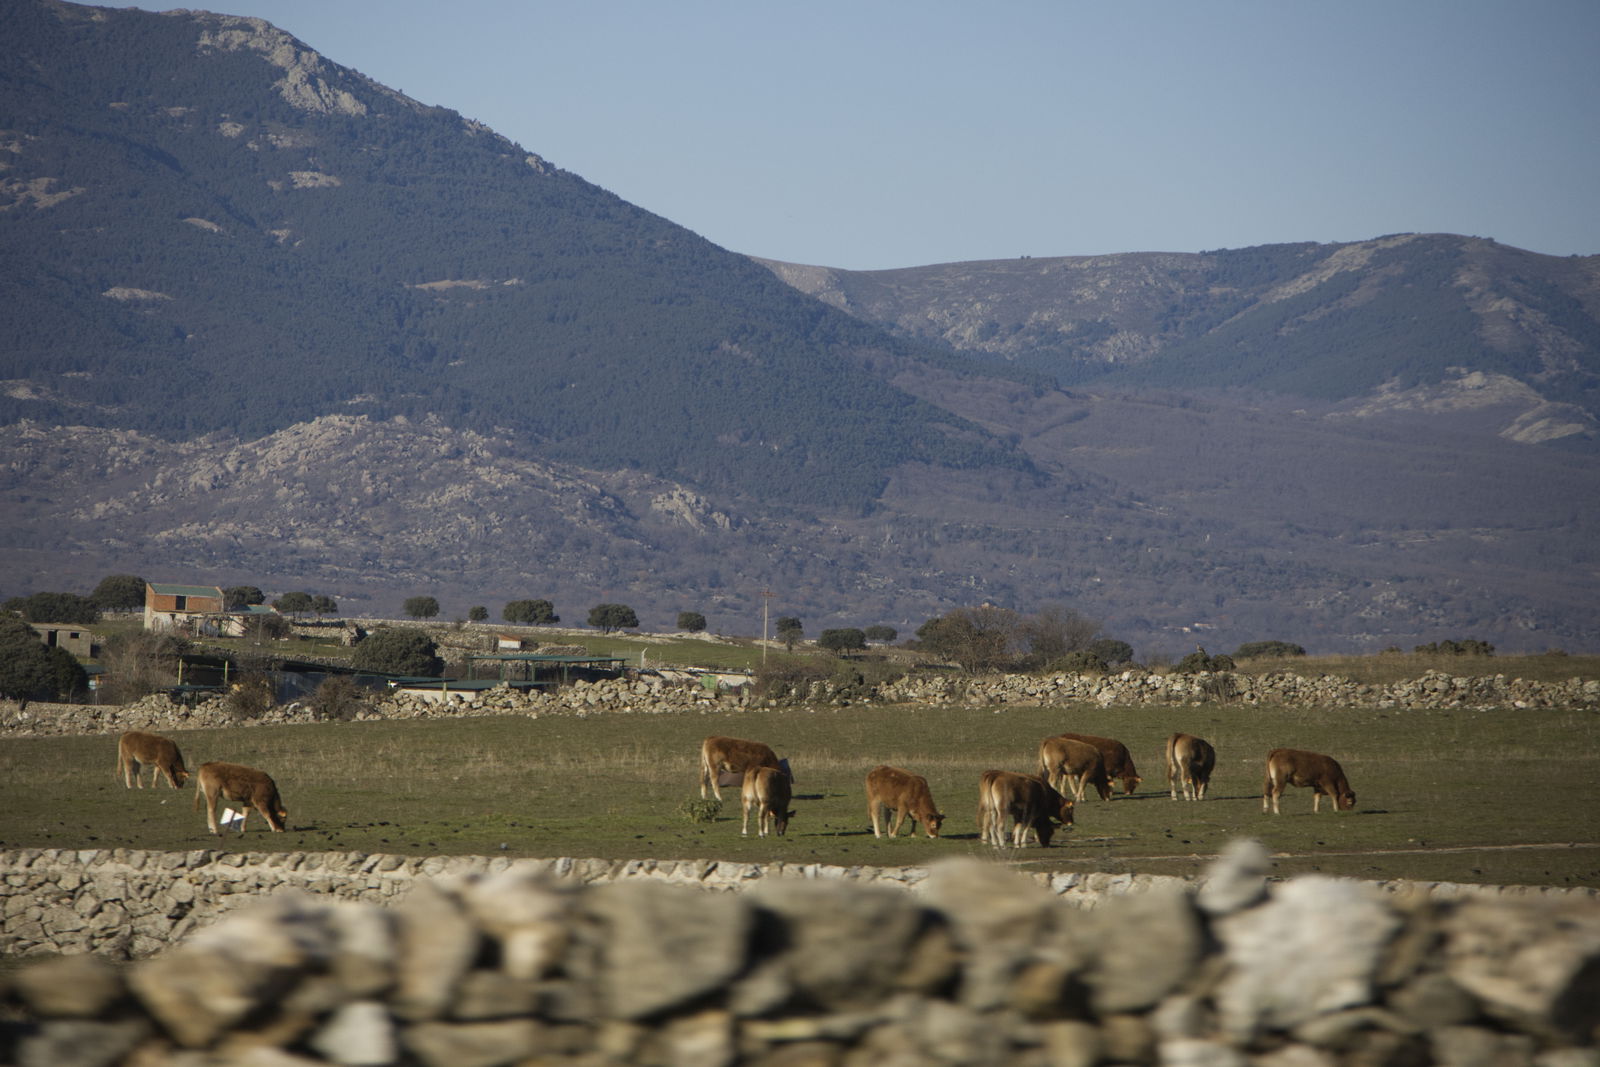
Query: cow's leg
x,y
899,821
1316,801
211,813
873,815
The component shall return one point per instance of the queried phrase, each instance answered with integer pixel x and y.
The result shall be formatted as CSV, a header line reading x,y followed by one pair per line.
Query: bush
x,y
339,699
31,671
1267,650
1199,662
1111,651
1468,647
881,634
388,650
697,809
477,613
1080,662
250,697
691,621
785,676
54,607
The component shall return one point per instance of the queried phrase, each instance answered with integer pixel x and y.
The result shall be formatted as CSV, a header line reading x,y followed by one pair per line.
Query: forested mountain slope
x,y
264,321
208,226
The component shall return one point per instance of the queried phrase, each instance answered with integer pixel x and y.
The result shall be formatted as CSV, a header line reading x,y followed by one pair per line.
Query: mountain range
x,y
267,321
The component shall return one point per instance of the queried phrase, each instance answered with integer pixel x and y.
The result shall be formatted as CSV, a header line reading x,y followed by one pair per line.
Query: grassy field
x,y
1493,797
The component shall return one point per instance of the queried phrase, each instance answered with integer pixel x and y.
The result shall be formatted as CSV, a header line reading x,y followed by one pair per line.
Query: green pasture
x,y
1470,796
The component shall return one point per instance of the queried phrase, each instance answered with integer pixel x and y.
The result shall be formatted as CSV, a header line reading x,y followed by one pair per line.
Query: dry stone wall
x,y
974,965
645,692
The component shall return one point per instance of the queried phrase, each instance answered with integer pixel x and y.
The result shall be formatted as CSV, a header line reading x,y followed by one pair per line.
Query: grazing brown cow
x,y
905,794
1119,764
245,786
137,750
765,791
1069,764
718,754
1027,799
1190,760
1291,766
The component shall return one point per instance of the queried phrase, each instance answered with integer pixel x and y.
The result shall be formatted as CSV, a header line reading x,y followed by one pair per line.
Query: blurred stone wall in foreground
x,y
964,963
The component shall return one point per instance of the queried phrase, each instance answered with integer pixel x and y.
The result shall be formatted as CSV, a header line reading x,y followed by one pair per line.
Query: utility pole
x,y
766,601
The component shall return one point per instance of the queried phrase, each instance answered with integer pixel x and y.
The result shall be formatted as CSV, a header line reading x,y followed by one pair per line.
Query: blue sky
x,y
872,135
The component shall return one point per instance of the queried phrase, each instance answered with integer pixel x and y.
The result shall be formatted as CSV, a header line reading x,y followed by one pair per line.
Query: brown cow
x,y
1025,798
1190,760
765,791
137,750
1065,763
718,754
1119,763
242,785
1291,766
905,794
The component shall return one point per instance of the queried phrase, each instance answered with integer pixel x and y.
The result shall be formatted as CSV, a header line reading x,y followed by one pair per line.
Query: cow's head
x,y
780,822
1065,814
932,823
180,776
1130,783
1345,799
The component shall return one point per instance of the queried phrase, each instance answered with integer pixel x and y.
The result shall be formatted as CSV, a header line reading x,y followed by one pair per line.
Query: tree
x,y
138,664
390,650
478,613
789,631
845,640
293,603
119,592
975,639
324,605
530,612
421,607
1054,631
31,671
882,634
610,617
691,621
54,607
242,596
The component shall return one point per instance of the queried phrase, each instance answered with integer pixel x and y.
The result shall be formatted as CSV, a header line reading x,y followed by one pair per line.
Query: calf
x,y
765,791
1291,766
1066,763
1190,760
137,750
905,794
1027,799
1119,763
245,786
718,754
